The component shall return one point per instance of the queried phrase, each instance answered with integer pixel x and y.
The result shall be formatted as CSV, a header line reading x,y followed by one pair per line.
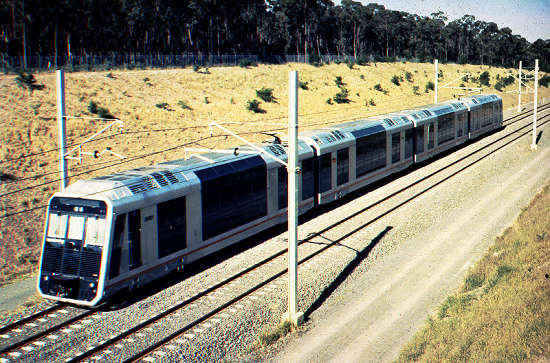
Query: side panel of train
x,y
146,222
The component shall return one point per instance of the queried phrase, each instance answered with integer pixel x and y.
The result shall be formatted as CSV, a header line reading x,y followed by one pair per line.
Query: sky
x,y
528,18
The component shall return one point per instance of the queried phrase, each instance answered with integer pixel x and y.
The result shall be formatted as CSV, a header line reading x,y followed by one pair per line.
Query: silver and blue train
x,y
120,231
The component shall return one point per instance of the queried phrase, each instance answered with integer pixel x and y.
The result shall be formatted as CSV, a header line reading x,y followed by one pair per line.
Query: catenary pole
x,y
519,88
436,77
62,129
292,315
535,104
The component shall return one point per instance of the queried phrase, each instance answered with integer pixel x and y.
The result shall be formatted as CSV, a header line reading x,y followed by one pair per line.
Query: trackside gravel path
x,y
381,309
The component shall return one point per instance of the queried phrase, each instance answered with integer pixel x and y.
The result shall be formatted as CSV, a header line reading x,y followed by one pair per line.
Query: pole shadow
x,y
343,275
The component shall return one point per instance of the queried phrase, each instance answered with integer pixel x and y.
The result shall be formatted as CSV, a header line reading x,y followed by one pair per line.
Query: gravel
x,y
326,282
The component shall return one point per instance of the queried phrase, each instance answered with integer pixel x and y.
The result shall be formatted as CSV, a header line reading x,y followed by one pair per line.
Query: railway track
x,y
162,346
203,310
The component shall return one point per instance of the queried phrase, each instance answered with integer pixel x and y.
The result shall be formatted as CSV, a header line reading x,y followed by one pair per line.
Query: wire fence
x,y
142,61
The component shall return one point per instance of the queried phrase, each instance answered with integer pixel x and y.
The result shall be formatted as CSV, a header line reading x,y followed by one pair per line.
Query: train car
x,y
484,114
123,230
332,149
365,151
437,128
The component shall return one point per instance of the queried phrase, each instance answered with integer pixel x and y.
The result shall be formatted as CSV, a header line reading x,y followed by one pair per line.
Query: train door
x,y
418,141
396,147
342,166
134,239
117,244
430,135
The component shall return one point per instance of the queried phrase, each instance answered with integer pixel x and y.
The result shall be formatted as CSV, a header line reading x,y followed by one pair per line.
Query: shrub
x,y
371,102
329,101
92,107
544,81
206,100
196,68
265,94
99,111
338,81
245,63
395,80
162,105
254,106
362,77
146,79
362,61
409,76
342,96
379,88
350,63
104,113
429,86
314,60
28,82
303,85
484,79
110,75
415,90
184,105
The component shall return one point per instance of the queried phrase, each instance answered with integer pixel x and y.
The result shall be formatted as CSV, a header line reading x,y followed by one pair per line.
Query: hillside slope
x,y
164,110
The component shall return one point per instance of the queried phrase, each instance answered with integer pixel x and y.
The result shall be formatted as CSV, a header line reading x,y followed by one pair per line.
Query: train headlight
x,y
46,278
92,285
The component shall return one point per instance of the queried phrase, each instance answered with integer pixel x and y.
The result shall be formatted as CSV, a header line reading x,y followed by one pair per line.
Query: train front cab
x,y
74,249
152,228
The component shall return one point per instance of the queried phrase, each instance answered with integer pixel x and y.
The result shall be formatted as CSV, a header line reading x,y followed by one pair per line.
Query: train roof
x,y
375,124
326,140
180,174
480,99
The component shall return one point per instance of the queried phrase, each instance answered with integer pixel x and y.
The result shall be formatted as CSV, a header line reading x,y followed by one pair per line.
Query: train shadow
x,y
345,273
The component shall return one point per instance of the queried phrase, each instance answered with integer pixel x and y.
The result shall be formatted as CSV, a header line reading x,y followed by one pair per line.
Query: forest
x,y
62,29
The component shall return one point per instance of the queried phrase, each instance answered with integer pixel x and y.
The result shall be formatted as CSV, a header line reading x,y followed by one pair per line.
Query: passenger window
x,y
171,219
325,172
76,227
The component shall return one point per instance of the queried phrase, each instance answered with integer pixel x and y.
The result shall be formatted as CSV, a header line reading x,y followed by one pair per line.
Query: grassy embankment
x,y
502,311
163,110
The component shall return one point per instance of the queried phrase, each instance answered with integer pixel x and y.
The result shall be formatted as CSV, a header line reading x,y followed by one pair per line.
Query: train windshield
x,y
76,219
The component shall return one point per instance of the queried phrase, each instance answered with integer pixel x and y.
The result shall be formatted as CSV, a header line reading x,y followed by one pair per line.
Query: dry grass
x,y
165,109
502,311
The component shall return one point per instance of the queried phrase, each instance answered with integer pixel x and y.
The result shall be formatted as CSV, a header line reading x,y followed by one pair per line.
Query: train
x,y
120,231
